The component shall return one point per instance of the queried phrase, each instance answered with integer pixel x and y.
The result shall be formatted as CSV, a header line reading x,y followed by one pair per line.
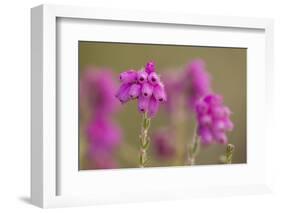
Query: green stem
x,y
229,153
144,140
193,149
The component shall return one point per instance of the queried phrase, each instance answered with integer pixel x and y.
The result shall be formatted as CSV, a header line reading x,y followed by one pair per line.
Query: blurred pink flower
x,y
162,144
197,81
97,90
103,136
144,85
213,119
97,87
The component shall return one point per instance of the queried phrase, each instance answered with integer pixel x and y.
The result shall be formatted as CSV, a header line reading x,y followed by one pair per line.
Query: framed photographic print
x,y
134,105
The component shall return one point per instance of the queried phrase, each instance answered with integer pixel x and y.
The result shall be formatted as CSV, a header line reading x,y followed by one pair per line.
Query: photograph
x,y
155,105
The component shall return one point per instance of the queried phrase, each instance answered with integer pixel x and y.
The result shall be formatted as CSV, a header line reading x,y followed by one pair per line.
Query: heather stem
x,y
144,140
193,149
229,153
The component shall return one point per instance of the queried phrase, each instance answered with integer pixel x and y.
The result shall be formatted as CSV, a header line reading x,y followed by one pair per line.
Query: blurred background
x,y
170,132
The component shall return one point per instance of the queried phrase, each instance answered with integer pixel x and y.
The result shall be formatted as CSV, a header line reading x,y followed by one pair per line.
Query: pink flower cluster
x,y
143,85
97,89
213,119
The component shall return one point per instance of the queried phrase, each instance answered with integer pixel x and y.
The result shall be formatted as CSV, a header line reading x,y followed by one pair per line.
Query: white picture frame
x,y
57,183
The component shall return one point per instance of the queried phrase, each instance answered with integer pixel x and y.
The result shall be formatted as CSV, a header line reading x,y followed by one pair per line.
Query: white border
x,y
43,192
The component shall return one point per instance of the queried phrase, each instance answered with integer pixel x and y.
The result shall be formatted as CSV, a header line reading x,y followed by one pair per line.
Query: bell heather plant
x,y
145,87
213,119
212,116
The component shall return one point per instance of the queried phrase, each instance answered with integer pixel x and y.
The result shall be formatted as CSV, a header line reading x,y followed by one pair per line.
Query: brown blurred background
x,y
227,67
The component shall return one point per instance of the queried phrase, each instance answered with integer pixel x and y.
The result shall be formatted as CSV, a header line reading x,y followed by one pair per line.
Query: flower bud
x,y
213,99
201,107
153,78
220,137
147,90
205,135
134,90
143,104
218,112
228,124
142,77
205,120
152,107
159,93
123,93
218,125
128,76
150,67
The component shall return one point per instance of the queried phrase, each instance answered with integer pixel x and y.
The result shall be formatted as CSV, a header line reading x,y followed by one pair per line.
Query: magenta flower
x,y
213,119
143,85
198,82
162,144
